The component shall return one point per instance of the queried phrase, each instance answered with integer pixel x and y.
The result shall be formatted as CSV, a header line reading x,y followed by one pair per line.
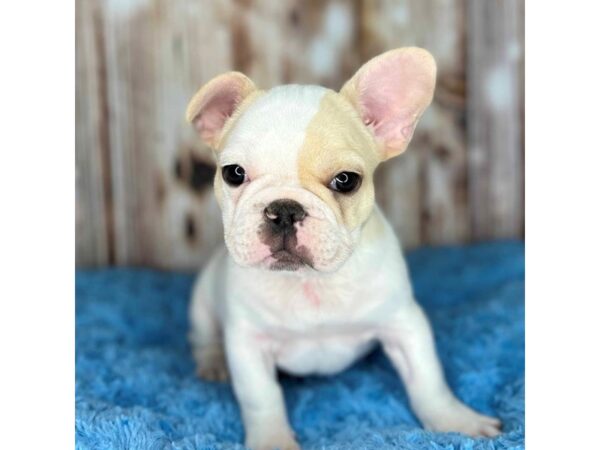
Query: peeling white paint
x,y
513,50
323,57
399,14
120,8
500,88
477,157
326,49
338,24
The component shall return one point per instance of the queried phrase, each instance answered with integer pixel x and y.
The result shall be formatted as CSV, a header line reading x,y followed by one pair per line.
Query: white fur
x,y
270,132
266,141
308,321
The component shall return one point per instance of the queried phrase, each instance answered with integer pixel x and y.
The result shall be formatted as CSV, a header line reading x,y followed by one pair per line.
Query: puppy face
x,y
295,182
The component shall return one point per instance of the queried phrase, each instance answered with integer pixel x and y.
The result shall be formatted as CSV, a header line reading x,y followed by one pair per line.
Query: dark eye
x,y
345,182
233,174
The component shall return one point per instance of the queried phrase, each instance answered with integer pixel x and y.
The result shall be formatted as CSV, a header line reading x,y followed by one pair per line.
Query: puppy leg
x,y
259,395
409,344
206,338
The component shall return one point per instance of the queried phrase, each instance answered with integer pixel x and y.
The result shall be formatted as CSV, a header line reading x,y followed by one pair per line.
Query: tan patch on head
x,y
337,141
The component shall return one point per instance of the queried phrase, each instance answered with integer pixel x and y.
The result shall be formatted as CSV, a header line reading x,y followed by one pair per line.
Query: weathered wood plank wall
x,y
92,180
496,117
143,179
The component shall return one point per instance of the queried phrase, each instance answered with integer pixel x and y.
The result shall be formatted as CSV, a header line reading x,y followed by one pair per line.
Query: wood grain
x,y
92,208
495,118
144,192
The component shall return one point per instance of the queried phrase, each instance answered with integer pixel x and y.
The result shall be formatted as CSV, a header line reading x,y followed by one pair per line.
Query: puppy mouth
x,y
287,260
285,253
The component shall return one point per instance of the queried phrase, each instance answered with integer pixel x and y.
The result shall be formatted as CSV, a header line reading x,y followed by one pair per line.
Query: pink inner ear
x,y
393,94
216,109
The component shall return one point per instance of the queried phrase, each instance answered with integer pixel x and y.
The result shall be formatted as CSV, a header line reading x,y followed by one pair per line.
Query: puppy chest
x,y
321,355
306,305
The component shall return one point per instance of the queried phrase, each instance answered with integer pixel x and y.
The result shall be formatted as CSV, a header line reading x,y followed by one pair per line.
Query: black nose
x,y
282,214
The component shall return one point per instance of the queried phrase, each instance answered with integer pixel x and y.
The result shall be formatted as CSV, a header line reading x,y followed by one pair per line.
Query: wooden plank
x,y
321,45
158,53
289,41
143,177
423,192
495,117
91,210
194,45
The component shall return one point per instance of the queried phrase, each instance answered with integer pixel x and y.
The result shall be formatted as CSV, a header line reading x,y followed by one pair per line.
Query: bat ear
x,y
215,103
391,92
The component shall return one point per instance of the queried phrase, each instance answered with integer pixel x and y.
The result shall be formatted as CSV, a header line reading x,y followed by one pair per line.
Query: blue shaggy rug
x,y
136,388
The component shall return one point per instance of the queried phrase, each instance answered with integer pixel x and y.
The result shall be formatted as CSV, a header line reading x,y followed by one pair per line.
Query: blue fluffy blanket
x,y
136,388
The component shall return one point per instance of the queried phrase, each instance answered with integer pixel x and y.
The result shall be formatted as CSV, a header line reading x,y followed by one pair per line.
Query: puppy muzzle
x,y
278,232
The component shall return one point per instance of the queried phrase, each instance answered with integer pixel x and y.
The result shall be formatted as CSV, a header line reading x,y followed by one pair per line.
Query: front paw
x,y
216,373
211,364
457,417
274,440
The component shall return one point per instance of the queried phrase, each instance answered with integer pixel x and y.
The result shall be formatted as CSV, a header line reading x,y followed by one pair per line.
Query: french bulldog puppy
x,y
311,276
